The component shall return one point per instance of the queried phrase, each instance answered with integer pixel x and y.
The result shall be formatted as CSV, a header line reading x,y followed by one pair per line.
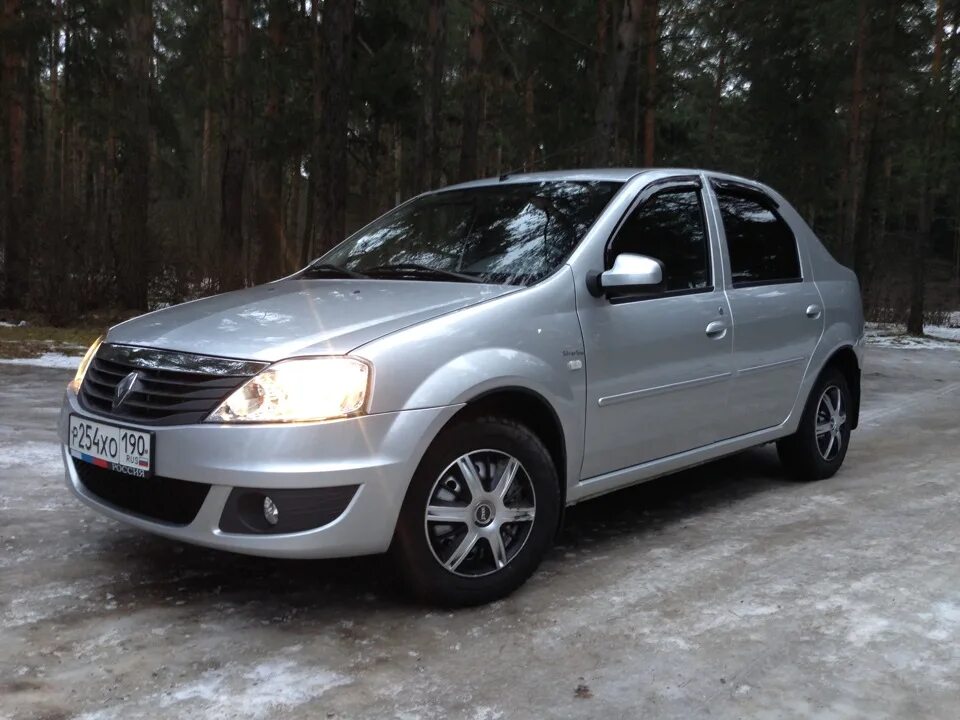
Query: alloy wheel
x,y
831,417
480,512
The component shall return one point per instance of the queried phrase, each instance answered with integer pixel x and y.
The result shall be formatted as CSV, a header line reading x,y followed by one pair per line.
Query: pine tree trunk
x,y
473,93
236,29
853,169
270,229
330,200
307,238
16,263
615,77
649,115
52,123
921,238
603,29
718,83
429,155
870,188
132,270
529,113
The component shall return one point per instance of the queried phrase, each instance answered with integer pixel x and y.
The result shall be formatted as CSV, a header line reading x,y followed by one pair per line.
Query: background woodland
x,y
155,150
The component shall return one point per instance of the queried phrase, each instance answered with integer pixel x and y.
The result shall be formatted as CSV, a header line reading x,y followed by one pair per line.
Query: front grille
x,y
171,388
157,498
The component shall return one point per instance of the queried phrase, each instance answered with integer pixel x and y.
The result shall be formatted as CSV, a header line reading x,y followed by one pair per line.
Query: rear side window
x,y
669,227
763,250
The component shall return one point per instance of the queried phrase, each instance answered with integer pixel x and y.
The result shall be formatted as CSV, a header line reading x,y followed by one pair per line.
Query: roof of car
x,y
620,175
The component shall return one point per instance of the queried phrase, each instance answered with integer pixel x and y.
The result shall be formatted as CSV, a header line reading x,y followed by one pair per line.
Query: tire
x,y
459,562
807,455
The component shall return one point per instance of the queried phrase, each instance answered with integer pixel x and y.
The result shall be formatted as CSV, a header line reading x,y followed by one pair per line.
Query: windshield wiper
x,y
334,271
413,269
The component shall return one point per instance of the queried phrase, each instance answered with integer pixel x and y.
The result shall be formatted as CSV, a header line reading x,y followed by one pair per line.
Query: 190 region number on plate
x,y
112,447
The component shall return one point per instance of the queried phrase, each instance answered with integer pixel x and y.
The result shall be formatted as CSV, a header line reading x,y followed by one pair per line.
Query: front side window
x,y
763,250
669,227
512,233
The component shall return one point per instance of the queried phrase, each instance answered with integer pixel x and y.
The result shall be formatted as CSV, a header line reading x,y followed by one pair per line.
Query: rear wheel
x,y
479,514
816,451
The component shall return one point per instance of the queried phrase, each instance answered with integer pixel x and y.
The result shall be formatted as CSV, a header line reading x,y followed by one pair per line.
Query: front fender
x,y
481,371
489,370
528,340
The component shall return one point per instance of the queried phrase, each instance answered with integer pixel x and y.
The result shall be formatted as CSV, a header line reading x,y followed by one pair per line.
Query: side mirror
x,y
630,274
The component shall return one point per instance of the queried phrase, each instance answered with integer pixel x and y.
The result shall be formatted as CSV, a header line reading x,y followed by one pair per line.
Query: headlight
x,y
84,364
321,388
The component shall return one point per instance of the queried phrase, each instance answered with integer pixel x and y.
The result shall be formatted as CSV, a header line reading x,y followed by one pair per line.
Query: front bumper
x,y
377,453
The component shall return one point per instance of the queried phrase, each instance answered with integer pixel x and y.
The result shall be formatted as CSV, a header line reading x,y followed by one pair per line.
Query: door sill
x,y
608,482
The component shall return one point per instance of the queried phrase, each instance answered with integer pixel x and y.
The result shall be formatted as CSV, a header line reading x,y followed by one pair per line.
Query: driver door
x,y
658,364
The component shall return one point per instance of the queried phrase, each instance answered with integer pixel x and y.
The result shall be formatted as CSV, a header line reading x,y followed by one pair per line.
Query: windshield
x,y
513,234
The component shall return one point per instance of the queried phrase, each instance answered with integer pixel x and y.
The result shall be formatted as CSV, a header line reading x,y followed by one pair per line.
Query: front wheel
x,y
816,451
479,515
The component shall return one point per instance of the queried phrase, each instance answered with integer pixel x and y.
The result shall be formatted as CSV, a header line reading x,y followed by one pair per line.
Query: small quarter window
x,y
669,227
763,250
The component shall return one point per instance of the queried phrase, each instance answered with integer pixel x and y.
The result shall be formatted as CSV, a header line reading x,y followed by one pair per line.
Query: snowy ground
x,y
724,592
940,337
46,360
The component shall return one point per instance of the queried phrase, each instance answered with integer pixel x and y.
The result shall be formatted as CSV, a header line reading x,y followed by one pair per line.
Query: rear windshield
x,y
513,233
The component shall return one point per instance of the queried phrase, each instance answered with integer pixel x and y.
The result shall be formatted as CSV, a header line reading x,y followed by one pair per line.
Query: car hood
x,y
295,317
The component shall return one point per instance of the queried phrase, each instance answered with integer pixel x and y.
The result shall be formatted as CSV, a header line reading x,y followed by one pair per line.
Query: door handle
x,y
716,329
813,311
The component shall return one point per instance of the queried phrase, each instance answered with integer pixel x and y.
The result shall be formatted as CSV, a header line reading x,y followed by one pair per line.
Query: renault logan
x,y
445,381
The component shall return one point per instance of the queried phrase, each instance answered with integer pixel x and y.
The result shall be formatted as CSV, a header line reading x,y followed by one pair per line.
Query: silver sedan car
x,y
450,377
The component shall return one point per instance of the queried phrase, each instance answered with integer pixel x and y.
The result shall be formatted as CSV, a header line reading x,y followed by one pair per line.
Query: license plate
x,y
113,447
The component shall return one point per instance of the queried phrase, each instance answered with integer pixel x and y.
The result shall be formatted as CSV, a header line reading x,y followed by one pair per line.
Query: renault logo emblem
x,y
124,388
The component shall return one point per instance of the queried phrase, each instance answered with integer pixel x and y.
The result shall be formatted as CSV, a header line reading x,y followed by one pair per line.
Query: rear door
x,y
775,306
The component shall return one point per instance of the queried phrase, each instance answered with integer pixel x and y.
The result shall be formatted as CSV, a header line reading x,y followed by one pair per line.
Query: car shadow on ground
x,y
156,571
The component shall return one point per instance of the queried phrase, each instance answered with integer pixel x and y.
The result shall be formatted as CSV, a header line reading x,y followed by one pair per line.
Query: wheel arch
x,y
535,412
845,360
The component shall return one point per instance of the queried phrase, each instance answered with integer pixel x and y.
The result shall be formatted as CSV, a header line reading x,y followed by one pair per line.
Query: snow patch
x,y
47,360
267,689
943,331
867,629
43,457
887,335
487,713
44,602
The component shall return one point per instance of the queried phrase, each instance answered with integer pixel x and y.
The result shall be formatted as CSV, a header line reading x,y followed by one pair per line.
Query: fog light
x,y
270,512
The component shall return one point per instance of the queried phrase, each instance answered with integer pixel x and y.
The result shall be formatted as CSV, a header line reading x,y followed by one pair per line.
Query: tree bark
x,y
721,78
52,120
429,157
529,113
16,262
921,238
336,50
628,33
649,115
603,29
236,30
132,267
473,109
854,139
313,162
272,255
870,190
